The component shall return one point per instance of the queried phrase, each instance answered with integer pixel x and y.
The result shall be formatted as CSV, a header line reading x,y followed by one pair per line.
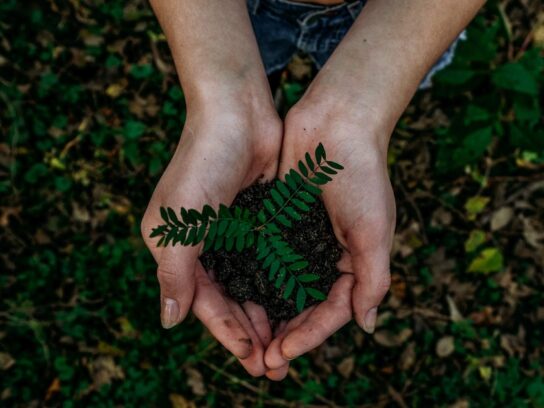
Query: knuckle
x,y
167,276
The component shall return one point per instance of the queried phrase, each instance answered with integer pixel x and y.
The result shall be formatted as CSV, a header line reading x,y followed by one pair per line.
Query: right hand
x,y
361,207
224,148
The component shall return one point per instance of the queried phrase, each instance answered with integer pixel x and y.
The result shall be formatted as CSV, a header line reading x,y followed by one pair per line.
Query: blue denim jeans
x,y
285,27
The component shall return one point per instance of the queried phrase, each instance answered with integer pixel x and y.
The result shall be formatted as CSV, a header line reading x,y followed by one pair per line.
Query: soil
x,y
240,273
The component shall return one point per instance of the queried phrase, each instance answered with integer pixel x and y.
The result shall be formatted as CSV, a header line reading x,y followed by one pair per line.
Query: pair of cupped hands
x,y
226,145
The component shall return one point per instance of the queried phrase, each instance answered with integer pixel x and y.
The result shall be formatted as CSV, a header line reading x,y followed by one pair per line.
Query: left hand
x,y
361,207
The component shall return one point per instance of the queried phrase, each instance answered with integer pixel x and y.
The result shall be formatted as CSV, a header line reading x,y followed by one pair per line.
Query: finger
x,y
259,320
214,312
254,363
273,357
327,318
372,282
278,374
176,279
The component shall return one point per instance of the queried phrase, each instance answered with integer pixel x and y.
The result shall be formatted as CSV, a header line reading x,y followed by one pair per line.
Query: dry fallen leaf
x,y
114,90
445,346
398,286
408,356
538,31
195,381
6,361
441,217
387,338
455,315
5,394
90,39
533,232
179,401
53,389
460,404
501,218
512,344
6,213
80,213
103,370
345,368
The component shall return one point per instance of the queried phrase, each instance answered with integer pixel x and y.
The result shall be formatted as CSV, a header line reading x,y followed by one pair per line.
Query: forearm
x,y
214,49
380,63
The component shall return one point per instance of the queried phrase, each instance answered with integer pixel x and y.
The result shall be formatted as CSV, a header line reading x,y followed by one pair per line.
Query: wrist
x,y
245,100
252,125
245,86
334,116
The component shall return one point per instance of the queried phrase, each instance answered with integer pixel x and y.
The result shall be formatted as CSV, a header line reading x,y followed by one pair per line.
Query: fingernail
x,y
170,313
370,320
286,357
249,350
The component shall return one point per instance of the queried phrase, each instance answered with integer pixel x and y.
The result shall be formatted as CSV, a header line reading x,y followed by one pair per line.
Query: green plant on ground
x,y
236,228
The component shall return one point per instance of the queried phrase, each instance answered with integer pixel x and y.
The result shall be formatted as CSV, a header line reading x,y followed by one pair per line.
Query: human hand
x,y
225,147
361,207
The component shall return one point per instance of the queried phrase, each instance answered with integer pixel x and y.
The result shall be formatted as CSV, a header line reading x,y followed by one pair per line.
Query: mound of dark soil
x,y
240,274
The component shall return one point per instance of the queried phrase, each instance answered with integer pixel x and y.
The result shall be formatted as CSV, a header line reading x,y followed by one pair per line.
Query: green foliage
x,y
237,229
498,104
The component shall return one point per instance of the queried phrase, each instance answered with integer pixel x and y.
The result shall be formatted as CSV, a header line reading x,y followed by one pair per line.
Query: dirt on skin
x,y
240,273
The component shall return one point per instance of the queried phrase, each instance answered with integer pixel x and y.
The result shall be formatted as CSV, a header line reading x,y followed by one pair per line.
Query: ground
x,y
90,114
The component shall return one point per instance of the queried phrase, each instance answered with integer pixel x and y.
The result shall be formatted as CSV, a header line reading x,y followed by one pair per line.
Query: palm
x,y
213,162
361,207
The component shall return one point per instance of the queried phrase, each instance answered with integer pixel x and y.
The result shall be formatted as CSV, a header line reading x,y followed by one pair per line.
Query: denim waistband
x,y
305,13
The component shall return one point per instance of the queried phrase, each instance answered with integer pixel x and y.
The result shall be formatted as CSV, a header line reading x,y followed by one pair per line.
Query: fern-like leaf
x,y
206,225
237,228
281,262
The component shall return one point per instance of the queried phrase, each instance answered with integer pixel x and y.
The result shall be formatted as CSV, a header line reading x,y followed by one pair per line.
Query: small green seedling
x,y
236,228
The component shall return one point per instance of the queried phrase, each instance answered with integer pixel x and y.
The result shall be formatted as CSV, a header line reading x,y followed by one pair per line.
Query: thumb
x,y
372,282
175,273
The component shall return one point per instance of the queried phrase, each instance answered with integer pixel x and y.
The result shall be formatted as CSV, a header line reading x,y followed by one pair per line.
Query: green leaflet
x,y
316,294
282,188
320,153
308,277
309,161
301,298
303,168
289,286
164,215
